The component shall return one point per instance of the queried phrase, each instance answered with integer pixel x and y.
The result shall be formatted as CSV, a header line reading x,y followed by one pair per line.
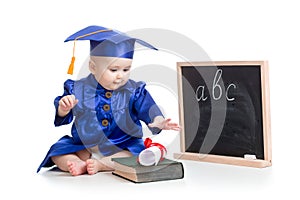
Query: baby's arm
x,y
164,124
65,105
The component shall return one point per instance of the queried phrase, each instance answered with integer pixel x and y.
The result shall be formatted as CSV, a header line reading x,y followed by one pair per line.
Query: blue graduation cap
x,y
106,42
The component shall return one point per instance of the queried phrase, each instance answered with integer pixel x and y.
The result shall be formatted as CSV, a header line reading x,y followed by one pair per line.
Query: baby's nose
x,y
120,75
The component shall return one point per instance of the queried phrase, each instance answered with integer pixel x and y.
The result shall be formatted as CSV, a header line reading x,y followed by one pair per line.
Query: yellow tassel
x,y
71,67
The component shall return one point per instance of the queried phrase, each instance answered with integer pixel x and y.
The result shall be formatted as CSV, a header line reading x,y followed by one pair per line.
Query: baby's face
x,y
110,72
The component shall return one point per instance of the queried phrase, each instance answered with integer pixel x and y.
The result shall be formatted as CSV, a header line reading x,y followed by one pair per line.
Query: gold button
x,y
106,107
105,122
108,94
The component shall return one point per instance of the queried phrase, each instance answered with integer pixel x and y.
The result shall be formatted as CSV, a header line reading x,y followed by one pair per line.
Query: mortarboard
x,y
106,42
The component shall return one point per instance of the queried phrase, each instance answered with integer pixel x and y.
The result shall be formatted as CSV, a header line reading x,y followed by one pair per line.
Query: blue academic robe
x,y
109,119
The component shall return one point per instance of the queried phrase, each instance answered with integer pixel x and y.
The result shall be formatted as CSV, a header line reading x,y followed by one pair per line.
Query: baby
x,y
106,108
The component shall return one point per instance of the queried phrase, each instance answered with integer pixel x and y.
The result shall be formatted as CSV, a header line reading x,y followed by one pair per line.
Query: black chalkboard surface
x,y
224,112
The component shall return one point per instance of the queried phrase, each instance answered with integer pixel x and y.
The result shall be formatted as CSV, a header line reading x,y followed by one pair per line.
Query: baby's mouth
x,y
118,82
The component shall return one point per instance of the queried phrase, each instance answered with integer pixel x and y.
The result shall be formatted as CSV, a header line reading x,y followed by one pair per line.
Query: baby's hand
x,y
65,104
164,124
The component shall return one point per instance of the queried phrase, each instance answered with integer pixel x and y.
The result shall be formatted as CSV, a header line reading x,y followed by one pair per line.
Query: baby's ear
x,y
92,66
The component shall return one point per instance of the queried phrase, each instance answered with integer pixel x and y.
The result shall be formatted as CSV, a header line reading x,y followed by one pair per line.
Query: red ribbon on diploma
x,y
148,143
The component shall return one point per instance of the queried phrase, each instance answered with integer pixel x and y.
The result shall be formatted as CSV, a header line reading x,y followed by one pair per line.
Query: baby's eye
x,y
126,70
113,70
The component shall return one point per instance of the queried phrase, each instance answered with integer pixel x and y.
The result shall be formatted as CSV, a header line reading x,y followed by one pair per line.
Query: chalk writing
x,y
217,90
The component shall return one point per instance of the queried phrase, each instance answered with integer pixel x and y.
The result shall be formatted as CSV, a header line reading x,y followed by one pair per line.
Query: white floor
x,y
201,180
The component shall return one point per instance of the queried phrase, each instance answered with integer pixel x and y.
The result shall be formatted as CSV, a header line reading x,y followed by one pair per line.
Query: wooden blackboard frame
x,y
231,160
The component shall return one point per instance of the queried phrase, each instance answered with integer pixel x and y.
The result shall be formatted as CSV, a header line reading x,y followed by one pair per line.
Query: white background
x,y
34,60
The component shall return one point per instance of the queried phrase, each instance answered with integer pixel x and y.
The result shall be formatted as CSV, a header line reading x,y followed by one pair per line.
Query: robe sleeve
x,y
68,90
146,107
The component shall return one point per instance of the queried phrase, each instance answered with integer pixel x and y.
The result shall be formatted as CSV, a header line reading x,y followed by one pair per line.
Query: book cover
x,y
130,169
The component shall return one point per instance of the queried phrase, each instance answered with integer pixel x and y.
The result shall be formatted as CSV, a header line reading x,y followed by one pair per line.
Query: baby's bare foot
x,y
93,166
76,167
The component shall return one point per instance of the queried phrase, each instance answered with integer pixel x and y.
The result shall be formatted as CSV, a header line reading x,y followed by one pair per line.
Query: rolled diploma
x,y
152,155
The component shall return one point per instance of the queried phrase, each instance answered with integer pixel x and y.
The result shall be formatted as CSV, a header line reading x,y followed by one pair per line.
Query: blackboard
x,y
224,112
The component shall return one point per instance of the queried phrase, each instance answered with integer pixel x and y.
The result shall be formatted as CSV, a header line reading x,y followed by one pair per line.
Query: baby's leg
x,y
105,163
71,163
83,154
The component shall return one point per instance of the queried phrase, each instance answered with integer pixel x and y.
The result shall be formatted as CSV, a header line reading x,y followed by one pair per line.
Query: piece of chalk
x,y
249,156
